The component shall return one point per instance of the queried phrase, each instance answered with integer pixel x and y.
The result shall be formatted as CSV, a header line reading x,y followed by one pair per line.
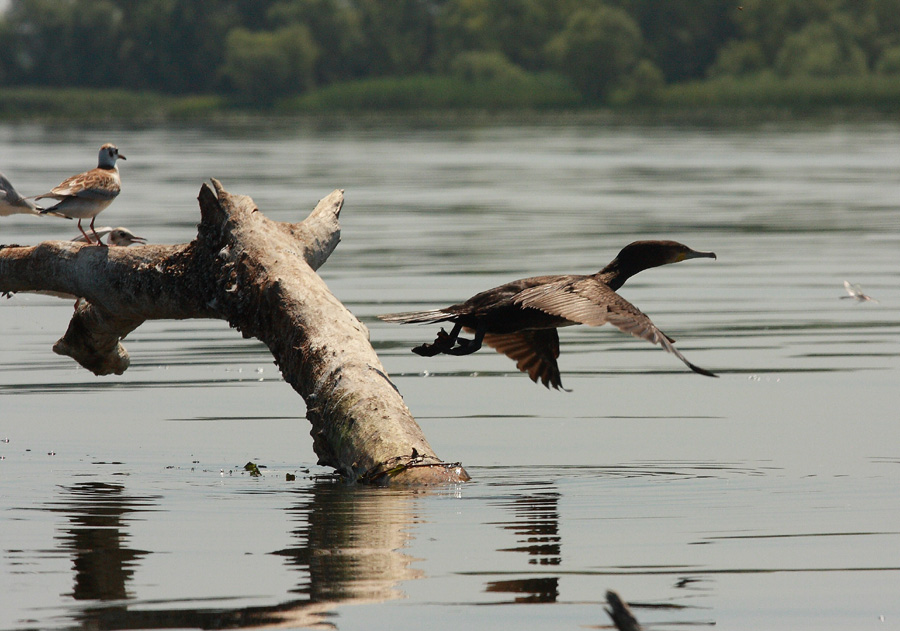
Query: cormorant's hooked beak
x,y
693,254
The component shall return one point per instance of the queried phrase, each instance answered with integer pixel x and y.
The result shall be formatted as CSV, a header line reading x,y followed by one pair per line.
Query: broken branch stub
x,y
259,275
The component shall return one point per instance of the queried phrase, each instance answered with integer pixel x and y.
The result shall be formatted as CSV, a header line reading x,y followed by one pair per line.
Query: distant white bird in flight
x,y
122,237
11,202
87,194
856,293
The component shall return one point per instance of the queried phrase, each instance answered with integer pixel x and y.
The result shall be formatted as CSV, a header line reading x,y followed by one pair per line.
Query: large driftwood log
x,y
259,275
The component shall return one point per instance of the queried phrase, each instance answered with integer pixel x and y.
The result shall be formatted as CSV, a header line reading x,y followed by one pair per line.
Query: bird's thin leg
x,y
442,343
83,232
467,347
99,240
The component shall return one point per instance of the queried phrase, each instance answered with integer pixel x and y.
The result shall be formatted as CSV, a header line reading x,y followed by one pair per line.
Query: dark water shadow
x,y
535,527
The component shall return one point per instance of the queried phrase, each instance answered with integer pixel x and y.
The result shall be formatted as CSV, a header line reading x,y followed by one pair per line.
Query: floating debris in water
x,y
253,468
620,613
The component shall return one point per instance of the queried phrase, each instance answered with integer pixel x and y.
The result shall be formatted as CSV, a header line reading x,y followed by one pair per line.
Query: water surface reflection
x,y
772,489
349,549
535,525
97,537
350,542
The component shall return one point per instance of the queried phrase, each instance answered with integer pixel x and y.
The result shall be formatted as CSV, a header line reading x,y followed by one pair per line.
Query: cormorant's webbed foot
x,y
442,344
464,347
427,350
450,344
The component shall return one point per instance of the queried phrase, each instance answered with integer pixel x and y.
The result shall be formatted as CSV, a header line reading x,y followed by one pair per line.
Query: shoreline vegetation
x,y
223,60
434,97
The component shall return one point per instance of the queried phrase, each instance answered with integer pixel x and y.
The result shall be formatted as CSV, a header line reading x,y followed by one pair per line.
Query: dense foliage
x,y
263,51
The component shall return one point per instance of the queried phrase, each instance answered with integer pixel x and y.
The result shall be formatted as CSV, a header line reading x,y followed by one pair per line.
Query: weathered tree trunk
x,y
259,275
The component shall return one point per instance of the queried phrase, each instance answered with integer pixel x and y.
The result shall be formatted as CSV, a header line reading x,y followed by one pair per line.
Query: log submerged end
x,y
435,474
369,435
412,470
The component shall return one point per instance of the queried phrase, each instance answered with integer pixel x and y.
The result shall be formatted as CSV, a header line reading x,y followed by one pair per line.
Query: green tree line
x,y
262,51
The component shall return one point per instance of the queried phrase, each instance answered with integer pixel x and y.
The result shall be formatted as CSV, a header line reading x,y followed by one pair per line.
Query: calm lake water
x,y
765,499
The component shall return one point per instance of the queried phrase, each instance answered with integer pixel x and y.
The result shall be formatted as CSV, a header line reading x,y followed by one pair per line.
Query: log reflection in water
x,y
348,551
349,541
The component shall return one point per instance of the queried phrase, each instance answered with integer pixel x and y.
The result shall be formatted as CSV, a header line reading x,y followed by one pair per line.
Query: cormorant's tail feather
x,y
417,317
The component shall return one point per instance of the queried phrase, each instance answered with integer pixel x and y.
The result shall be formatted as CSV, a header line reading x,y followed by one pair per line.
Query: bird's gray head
x,y
124,237
109,153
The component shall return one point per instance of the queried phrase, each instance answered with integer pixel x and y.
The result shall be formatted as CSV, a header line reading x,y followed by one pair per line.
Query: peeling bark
x,y
259,275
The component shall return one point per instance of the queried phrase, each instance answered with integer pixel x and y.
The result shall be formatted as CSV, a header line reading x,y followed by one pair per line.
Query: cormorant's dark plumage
x,y
519,319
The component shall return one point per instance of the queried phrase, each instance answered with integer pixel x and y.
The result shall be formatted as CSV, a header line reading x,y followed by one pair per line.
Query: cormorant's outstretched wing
x,y
534,351
588,301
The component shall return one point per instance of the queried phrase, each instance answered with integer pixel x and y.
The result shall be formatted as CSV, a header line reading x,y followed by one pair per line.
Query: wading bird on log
x,y
87,194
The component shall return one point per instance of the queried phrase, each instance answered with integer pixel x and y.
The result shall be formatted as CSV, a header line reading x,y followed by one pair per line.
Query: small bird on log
x,y
87,194
11,202
122,237
519,319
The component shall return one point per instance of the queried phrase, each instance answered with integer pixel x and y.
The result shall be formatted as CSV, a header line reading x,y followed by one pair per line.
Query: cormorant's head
x,y
640,255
